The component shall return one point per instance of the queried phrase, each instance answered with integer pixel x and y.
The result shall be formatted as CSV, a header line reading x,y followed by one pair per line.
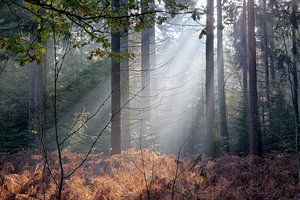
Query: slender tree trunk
x,y
221,85
32,71
153,82
266,56
244,64
115,87
210,100
255,131
37,75
125,113
272,47
272,60
146,69
43,99
295,78
294,71
266,114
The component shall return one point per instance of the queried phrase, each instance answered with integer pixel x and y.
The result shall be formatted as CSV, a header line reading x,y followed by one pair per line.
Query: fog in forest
x,y
149,99
177,85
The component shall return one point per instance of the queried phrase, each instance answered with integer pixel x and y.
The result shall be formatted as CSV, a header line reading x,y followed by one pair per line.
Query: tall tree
x,y
153,81
254,125
125,114
272,46
221,85
294,69
115,85
146,37
37,76
266,55
266,106
244,64
210,100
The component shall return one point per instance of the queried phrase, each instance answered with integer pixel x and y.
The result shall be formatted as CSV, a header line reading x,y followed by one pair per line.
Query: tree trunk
x,y
221,86
146,69
272,60
125,113
153,81
115,87
37,76
210,100
272,47
295,79
266,57
266,113
244,64
295,72
255,131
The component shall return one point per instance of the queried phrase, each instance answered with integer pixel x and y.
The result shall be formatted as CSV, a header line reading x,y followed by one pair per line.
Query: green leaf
x,y
2,44
34,132
44,35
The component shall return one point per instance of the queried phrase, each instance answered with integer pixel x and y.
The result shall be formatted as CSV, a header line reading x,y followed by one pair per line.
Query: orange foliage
x,y
134,172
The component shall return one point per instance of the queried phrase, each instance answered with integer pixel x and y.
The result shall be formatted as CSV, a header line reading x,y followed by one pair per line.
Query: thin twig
x,y
99,135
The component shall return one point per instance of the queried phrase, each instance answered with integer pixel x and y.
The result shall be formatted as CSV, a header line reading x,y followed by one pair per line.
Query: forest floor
x,y
137,174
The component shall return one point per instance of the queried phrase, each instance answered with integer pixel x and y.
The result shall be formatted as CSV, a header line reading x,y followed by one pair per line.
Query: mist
x,y
149,99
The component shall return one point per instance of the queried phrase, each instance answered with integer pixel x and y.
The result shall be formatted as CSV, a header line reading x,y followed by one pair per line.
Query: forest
x,y
149,99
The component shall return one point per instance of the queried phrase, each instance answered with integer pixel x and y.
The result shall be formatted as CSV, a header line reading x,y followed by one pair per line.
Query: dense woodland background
x,y
183,77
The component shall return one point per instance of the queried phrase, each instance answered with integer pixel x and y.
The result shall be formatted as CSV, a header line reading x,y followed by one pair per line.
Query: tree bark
x,y
115,87
125,113
294,71
146,73
266,113
37,76
153,81
221,85
255,130
266,56
244,64
272,47
295,79
210,100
